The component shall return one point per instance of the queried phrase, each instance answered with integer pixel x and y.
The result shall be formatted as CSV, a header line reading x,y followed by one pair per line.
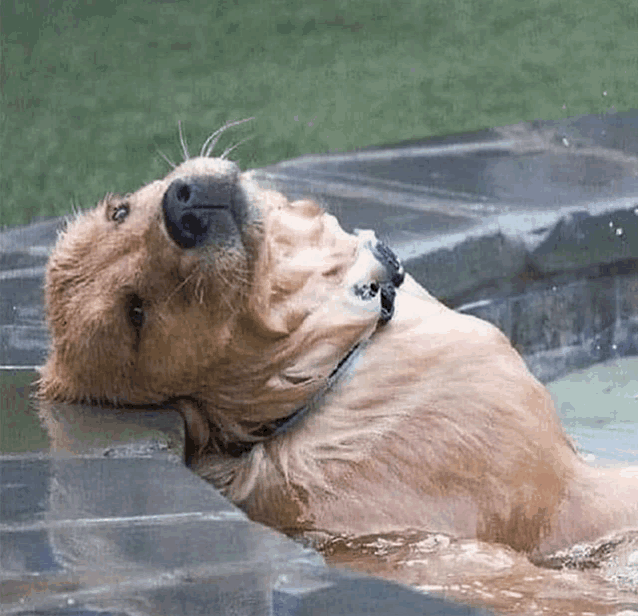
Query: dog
x,y
322,388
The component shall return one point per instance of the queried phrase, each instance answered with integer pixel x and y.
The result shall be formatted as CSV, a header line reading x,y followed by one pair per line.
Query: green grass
x,y
92,89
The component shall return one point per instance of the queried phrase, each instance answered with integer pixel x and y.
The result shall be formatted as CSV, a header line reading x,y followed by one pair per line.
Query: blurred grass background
x,y
91,89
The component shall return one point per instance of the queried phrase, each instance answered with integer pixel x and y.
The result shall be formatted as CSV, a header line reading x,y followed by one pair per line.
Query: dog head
x,y
203,289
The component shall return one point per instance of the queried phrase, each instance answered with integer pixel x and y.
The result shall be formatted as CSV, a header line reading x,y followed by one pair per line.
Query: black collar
x,y
279,426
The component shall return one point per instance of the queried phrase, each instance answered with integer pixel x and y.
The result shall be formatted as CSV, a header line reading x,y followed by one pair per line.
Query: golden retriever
x,y
324,390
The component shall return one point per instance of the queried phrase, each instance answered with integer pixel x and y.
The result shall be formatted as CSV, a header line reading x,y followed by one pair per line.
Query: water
x,y
20,428
599,409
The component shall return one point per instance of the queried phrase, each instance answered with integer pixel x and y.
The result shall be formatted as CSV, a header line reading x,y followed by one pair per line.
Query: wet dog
x,y
324,391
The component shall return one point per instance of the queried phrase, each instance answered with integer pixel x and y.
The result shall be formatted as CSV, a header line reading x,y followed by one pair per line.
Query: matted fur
x,y
437,426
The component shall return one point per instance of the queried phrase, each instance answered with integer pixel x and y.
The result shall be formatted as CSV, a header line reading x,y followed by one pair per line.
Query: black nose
x,y
201,210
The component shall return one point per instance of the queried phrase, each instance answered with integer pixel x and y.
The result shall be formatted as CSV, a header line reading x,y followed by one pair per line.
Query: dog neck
x,y
283,425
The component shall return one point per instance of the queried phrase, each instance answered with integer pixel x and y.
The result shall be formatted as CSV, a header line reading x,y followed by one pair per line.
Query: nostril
x,y
366,292
192,224
183,193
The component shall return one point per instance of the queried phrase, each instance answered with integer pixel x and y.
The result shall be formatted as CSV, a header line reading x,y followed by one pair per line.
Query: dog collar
x,y
387,291
282,425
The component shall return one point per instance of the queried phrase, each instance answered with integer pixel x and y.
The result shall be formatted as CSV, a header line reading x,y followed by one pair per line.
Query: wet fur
x,y
439,425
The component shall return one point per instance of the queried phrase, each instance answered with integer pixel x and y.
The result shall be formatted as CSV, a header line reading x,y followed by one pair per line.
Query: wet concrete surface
x,y
533,227
107,520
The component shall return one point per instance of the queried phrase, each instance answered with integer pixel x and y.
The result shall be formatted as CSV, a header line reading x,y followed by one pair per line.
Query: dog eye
x,y
121,212
136,311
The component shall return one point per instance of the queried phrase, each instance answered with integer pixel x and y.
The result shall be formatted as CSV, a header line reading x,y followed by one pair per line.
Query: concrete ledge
x,y
111,522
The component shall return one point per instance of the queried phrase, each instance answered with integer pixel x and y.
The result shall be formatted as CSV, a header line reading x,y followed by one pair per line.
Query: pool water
x,y
598,406
21,430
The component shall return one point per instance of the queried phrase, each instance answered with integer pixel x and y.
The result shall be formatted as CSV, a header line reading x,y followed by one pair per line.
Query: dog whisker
x,y
230,308
227,151
166,158
211,142
199,288
182,141
180,286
